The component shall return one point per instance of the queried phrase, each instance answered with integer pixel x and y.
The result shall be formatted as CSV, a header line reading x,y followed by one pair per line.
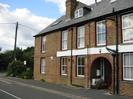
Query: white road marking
x,y
48,90
10,94
4,81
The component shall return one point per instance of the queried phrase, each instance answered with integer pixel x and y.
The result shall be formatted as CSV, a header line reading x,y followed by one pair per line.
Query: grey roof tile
x,y
100,9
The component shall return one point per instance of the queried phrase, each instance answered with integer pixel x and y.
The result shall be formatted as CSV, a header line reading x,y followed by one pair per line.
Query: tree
x,y
16,67
28,57
5,59
21,55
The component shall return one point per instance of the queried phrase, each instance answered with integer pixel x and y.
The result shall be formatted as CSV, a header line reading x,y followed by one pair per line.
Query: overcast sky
x,y
32,15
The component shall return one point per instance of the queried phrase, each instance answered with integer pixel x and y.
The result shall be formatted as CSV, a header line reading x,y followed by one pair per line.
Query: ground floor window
x,y
80,66
128,66
42,69
63,66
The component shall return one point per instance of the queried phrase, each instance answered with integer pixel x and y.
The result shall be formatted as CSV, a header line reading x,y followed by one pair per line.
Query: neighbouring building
x,y
90,46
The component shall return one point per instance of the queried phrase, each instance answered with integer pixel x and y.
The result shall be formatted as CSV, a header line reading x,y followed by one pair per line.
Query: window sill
x,y
101,45
64,49
80,76
63,74
43,73
128,81
80,47
127,43
78,17
43,52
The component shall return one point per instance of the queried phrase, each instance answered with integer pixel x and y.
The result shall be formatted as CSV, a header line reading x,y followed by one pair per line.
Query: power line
x,y
7,23
22,25
28,27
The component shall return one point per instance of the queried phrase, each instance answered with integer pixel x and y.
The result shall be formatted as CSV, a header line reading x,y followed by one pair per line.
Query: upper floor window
x,y
42,68
127,28
64,40
43,44
128,66
101,33
79,13
81,37
80,66
63,66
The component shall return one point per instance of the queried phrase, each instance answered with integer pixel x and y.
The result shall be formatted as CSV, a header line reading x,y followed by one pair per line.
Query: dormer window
x,y
79,13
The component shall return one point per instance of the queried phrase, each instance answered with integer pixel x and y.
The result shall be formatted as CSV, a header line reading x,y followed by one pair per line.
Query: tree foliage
x,y
7,61
15,68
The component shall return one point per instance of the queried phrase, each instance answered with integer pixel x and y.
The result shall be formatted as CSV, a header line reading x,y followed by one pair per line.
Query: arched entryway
x,y
101,73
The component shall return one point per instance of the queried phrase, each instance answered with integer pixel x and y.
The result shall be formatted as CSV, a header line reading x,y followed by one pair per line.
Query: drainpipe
x,y
117,57
87,55
71,73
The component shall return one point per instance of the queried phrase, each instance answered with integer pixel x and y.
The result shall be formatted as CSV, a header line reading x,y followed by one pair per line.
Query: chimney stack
x,y
70,7
95,1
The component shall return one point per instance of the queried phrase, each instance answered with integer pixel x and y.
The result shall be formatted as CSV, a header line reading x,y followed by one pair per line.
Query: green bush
x,y
28,74
15,69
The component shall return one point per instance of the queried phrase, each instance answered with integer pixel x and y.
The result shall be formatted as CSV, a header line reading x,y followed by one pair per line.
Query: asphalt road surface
x,y
15,90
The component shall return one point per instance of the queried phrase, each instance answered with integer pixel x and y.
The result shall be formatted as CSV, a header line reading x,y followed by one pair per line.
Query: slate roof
x,y
97,10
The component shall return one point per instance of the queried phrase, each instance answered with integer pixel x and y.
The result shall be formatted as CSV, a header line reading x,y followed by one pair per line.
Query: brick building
x,y
90,46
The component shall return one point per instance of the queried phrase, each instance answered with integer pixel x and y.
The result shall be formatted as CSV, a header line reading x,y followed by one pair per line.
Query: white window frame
x,y
81,37
98,33
43,65
81,66
127,66
63,65
79,13
64,40
43,45
124,28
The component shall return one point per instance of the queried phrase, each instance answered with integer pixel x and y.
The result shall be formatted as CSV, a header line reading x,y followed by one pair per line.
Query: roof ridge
x,y
99,10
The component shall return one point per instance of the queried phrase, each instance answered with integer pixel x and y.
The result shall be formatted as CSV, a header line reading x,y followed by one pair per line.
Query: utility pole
x,y
15,43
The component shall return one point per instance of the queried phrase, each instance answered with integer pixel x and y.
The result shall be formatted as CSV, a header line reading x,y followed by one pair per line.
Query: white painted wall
x,y
96,50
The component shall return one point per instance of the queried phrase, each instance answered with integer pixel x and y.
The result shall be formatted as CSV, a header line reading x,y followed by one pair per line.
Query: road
x,y
10,89
14,88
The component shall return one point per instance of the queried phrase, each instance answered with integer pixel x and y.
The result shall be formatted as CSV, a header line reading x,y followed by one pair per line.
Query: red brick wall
x,y
126,88
53,44
37,55
93,34
110,35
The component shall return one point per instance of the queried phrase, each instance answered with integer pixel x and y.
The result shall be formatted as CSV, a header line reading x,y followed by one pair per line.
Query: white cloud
x,y
61,3
25,34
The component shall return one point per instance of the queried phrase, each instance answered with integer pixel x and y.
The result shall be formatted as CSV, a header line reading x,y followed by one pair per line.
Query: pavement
x,y
16,88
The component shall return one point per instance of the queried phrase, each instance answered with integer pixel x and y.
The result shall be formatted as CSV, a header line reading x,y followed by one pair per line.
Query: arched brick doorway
x,y
101,73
